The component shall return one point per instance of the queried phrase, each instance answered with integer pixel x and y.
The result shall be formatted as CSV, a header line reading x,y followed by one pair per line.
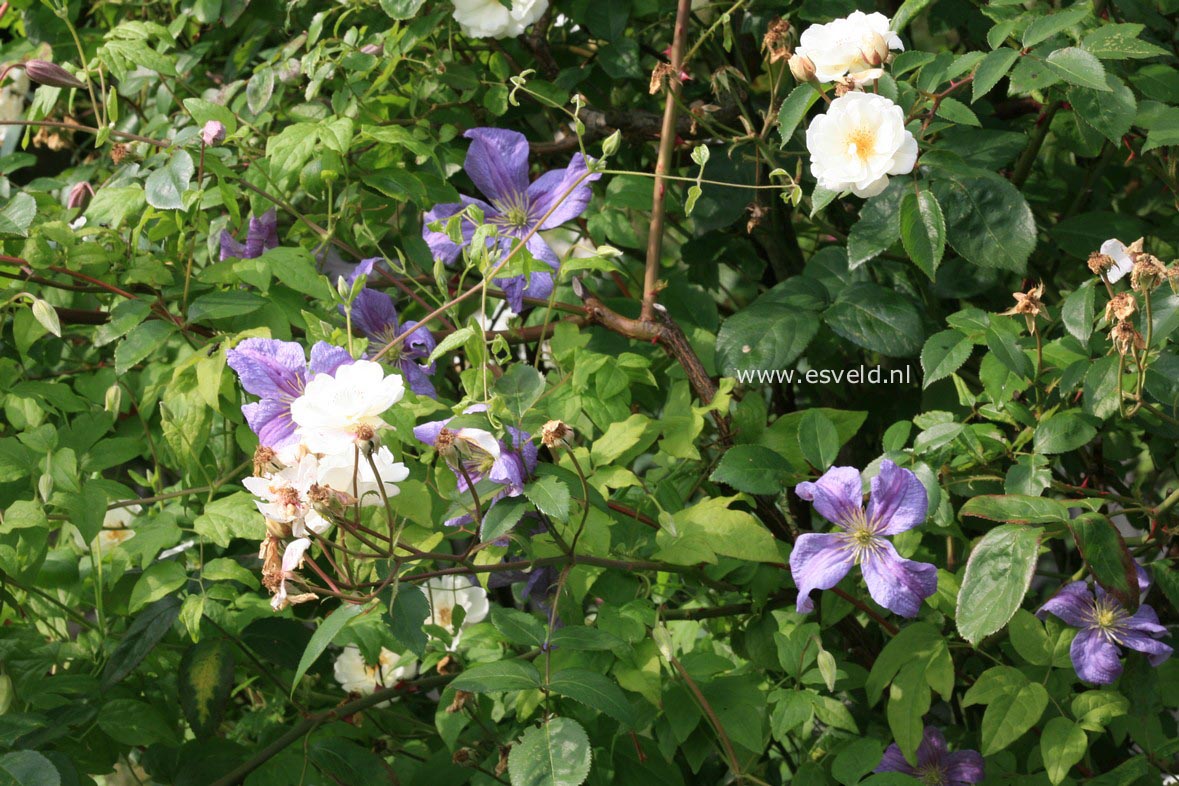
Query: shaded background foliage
x,y
159,658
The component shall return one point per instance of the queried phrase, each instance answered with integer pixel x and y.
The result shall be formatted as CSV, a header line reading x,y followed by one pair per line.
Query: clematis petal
x,y
899,585
419,344
898,500
818,561
230,248
1145,620
1156,652
894,761
1095,659
416,378
269,368
441,246
427,433
965,767
262,234
546,194
1072,604
933,745
838,495
375,314
271,420
497,162
326,358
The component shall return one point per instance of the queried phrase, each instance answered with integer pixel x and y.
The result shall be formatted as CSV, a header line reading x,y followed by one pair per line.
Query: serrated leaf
x,y
1111,112
876,319
751,468
519,388
1105,552
165,187
1016,509
794,109
497,677
451,343
145,631
594,691
550,496
943,354
992,68
923,230
997,577
988,221
1078,67
818,439
1044,27
558,753
957,112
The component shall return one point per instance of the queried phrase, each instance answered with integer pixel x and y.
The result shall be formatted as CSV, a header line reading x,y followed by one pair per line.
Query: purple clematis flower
x,y
898,503
935,764
276,372
261,236
1105,626
482,457
497,162
375,314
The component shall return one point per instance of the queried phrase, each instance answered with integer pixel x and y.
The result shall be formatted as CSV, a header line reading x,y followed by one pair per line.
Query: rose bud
x,y
802,68
45,73
79,195
213,133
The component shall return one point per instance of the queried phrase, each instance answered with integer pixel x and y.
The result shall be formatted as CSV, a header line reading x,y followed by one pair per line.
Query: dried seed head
x,y
1148,272
555,434
266,461
1126,338
1099,263
661,75
1120,307
444,444
118,153
271,555
775,40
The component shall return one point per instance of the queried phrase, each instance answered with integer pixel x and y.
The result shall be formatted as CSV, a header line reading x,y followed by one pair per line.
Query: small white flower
x,y
490,19
1123,263
339,471
851,45
858,143
284,497
447,592
356,676
335,410
116,530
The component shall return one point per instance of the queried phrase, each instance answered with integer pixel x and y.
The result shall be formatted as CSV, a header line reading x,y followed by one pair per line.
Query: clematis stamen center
x,y
932,775
1108,616
513,211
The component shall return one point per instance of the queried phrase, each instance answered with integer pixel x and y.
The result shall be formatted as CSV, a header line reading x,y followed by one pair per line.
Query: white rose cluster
x,y
861,140
491,19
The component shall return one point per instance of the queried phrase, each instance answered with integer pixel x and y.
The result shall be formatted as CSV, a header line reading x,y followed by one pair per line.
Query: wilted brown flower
x,y
461,697
1099,263
118,153
662,75
775,40
270,553
1120,307
1148,272
266,461
1029,305
555,434
1126,338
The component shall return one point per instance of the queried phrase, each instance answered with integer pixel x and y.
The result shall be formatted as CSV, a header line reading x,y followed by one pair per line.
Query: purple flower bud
x,y
45,73
79,195
213,133
373,49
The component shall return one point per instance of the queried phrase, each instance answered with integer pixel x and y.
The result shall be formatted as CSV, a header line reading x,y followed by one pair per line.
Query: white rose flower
x,y
116,530
858,143
339,471
284,497
445,593
489,18
335,410
851,45
356,676
1123,262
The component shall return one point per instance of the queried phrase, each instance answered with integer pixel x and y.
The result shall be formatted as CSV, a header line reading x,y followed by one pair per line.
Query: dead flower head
x,y
1029,305
1126,338
1120,307
775,40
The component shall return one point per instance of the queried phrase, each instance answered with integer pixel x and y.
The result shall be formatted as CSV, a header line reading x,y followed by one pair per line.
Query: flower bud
x,y
79,195
875,50
45,73
213,133
373,49
802,68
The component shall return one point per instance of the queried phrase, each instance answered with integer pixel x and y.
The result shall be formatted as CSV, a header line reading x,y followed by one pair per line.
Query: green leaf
x,y
401,9
144,340
409,608
764,336
1011,715
992,68
451,342
1062,744
502,518
205,682
594,691
497,677
997,577
1078,67
158,580
907,12
913,642
1029,639
1007,351
1119,41
943,354
133,722
1063,432
818,439
1111,112
1078,312
324,635
1109,560
550,496
17,215
752,469
123,318
733,533
165,187
908,701
957,112
1044,27
877,319
235,516
856,759
878,226
223,305
558,753
923,230
145,631
794,109
519,388
988,221
519,627
28,768
1016,509
1094,709
582,639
